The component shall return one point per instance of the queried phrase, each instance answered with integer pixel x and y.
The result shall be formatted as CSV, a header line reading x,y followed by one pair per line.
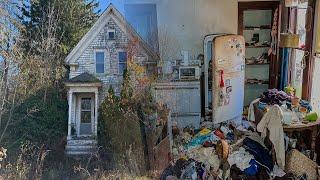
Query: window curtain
x,y
284,77
287,69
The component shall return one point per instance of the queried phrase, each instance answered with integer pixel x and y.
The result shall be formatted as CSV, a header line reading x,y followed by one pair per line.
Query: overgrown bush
x,y
40,119
120,134
28,164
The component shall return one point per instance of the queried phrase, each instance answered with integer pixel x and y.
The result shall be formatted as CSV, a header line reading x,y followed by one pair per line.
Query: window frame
x,y
118,54
86,110
95,60
111,31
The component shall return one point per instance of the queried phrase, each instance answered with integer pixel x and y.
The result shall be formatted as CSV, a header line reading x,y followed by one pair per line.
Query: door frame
x,y
310,60
78,119
264,5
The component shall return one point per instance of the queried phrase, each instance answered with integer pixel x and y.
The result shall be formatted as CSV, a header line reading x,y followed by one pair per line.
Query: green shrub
x,y
119,133
40,119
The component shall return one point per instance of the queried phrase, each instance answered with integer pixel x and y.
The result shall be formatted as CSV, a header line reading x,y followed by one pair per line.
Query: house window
x,y
122,62
86,110
100,62
111,34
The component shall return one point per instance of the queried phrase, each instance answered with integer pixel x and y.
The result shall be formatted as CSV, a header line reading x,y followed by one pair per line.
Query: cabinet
x,y
183,99
258,23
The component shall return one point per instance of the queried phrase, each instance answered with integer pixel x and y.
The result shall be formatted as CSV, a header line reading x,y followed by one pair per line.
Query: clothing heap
x,y
231,149
295,110
273,96
306,104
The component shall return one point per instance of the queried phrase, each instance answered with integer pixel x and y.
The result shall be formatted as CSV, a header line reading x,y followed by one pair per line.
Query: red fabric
x,y
221,80
219,133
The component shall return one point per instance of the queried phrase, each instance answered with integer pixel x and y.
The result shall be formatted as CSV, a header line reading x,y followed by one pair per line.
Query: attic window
x,y
111,34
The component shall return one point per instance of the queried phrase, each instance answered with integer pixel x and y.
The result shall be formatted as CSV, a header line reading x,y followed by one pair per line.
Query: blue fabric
x,y
262,106
284,68
253,169
199,140
230,136
306,104
260,154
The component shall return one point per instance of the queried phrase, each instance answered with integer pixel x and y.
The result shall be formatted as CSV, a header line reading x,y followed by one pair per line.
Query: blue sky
x,y
103,4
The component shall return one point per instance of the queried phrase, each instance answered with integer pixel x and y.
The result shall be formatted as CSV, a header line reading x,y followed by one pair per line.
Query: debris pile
x,y
253,149
220,152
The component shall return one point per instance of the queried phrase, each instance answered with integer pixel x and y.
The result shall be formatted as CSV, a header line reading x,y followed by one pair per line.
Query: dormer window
x,y
111,34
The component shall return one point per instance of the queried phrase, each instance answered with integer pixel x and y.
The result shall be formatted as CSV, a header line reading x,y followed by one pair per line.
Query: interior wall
x,y
315,94
189,21
185,23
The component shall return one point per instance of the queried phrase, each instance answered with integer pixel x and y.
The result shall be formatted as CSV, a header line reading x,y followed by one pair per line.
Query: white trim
x,y
86,40
78,120
70,93
114,34
105,52
96,96
67,84
118,60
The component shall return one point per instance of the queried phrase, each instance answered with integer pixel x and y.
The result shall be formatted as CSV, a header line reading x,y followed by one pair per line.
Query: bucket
x,y
289,40
295,101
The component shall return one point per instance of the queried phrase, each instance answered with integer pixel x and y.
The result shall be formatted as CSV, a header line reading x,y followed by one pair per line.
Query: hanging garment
x,y
284,68
251,116
272,121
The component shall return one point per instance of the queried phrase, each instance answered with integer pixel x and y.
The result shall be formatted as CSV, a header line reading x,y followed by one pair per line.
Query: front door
x,y
86,115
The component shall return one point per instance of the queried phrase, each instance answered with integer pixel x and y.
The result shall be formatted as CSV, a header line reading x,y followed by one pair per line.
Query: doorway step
x,y
81,147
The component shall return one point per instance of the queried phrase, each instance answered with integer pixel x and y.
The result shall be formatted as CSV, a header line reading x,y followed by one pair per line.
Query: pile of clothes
x,y
229,150
294,109
273,96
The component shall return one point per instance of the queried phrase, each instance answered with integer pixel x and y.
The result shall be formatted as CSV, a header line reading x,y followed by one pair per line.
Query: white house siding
x,y
86,62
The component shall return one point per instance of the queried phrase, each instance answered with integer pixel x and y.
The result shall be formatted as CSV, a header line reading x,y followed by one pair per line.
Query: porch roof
x,y
84,79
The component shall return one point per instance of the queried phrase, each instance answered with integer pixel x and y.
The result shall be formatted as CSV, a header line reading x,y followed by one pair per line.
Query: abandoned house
x,y
96,63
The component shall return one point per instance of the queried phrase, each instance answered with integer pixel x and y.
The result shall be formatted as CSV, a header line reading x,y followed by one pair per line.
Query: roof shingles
x,y
84,78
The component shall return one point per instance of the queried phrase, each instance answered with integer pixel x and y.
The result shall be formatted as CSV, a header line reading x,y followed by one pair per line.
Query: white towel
x,y
272,121
251,116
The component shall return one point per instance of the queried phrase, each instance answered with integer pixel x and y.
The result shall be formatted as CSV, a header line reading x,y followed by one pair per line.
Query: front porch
x,y
83,100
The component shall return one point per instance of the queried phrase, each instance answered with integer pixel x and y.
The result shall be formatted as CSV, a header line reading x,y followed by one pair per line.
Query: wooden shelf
x,y
261,82
253,28
260,46
254,64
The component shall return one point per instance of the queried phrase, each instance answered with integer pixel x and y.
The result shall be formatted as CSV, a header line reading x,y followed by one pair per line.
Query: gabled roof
x,y
110,12
84,78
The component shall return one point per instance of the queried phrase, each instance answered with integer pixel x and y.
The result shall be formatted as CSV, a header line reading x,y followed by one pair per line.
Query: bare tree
x,y
169,46
8,36
42,64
